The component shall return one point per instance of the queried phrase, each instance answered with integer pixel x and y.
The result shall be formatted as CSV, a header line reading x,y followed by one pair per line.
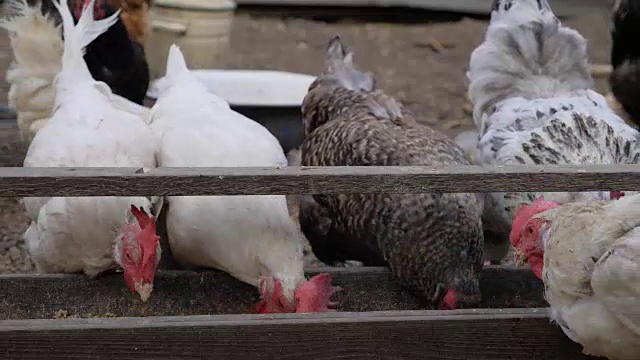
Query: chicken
x,y
136,18
116,59
432,242
588,255
37,47
530,87
252,237
91,234
625,58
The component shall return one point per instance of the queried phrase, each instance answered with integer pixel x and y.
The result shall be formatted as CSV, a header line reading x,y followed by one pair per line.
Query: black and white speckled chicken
x,y
530,85
432,242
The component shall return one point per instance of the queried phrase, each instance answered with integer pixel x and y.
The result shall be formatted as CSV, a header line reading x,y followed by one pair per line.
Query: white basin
x,y
251,87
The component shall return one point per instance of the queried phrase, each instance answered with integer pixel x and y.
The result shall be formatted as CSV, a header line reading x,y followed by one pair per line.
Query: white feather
x,y
77,233
38,50
592,274
246,236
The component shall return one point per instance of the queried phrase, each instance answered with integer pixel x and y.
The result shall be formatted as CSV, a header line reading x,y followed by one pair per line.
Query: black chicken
x,y
625,57
112,57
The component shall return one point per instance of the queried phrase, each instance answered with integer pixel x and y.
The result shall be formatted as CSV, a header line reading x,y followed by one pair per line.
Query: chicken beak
x,y
144,290
520,257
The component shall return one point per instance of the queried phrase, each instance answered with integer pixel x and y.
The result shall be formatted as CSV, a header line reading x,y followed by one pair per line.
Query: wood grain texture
x,y
314,180
458,334
24,296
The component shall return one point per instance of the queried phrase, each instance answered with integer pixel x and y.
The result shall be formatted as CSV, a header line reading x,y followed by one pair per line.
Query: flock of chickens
x,y
533,104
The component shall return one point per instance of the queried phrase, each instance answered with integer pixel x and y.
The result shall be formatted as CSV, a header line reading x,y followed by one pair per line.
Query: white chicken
x,y
91,234
252,237
530,85
37,48
588,255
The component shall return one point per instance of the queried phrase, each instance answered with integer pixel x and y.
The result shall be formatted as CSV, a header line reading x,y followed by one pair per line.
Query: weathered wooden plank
x,y
314,180
467,334
24,296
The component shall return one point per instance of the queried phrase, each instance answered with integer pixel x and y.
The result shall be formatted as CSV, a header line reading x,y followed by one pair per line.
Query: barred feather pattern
x,y
428,240
533,104
570,138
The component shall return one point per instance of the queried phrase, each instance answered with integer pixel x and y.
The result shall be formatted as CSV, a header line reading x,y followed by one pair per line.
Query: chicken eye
x,y
128,257
529,230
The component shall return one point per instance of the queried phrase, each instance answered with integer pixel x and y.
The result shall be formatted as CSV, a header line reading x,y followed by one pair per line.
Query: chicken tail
x,y
338,65
176,65
37,51
519,12
77,37
526,53
342,82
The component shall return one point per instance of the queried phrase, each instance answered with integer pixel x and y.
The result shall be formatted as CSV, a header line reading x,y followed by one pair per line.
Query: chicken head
x,y
313,295
527,232
462,293
273,298
449,302
137,251
100,9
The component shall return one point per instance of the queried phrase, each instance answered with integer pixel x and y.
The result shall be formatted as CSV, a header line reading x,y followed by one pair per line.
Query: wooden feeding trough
x,y
199,315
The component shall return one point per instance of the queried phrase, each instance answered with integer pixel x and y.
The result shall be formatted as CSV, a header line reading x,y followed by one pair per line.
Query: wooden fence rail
x,y
497,333
459,334
313,180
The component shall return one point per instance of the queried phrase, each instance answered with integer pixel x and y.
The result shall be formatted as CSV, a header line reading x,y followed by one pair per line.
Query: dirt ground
x,y
422,64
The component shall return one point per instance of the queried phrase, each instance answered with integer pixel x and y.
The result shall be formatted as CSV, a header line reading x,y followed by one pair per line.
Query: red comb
x,y
615,195
526,212
272,292
449,301
148,237
98,11
144,219
315,295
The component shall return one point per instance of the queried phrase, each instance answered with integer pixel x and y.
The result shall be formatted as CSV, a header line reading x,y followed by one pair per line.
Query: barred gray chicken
x,y
432,242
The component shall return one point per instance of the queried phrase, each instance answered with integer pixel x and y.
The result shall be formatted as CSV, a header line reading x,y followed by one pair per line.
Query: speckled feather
x,y
426,239
530,85
571,138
